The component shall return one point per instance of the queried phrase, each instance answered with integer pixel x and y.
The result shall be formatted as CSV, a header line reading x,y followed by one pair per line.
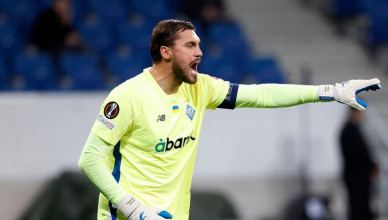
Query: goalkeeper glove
x,y
346,92
134,209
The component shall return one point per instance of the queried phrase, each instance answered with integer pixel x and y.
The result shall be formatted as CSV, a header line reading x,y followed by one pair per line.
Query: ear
x,y
165,52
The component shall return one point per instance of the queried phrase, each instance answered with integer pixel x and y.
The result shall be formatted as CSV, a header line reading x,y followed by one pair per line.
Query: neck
x,y
163,75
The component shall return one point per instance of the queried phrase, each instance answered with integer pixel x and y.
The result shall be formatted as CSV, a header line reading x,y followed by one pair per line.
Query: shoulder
x,y
129,85
201,84
202,77
204,80
127,90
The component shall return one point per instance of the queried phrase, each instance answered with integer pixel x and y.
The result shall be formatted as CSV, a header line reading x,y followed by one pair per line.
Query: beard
x,y
179,73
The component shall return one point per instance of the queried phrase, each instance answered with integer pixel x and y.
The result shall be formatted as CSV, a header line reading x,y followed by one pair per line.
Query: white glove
x,y
346,92
134,209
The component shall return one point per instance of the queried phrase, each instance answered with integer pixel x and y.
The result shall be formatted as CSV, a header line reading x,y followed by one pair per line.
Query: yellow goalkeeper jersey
x,y
156,138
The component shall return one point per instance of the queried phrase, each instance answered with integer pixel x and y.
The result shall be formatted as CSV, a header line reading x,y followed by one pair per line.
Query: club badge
x,y
111,110
190,112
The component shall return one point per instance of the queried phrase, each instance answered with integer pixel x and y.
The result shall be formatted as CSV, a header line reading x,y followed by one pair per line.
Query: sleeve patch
x,y
107,123
111,110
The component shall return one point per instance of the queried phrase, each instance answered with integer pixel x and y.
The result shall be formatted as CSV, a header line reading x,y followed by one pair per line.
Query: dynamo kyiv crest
x,y
190,112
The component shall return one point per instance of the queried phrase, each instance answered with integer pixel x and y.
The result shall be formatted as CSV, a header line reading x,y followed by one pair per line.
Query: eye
x,y
191,44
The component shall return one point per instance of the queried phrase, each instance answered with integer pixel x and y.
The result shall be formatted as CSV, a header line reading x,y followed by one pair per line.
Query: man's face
x,y
186,56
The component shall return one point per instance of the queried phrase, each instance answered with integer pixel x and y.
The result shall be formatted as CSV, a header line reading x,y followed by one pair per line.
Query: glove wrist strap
x,y
326,93
128,205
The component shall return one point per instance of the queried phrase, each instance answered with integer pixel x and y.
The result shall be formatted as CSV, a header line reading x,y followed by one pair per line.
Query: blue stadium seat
x,y
377,12
239,55
135,34
126,65
36,69
175,5
233,42
9,38
228,34
4,75
153,9
82,70
266,70
21,13
222,67
79,12
96,35
111,12
103,35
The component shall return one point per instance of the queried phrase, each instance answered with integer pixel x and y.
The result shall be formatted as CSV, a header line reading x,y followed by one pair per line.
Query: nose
x,y
198,52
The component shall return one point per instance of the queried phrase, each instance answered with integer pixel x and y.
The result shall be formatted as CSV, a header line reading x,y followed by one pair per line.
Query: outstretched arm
x,y
275,95
285,95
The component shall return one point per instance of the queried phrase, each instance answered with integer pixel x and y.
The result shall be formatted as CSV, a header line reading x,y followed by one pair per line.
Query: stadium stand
x,y
111,12
266,70
106,27
124,64
82,71
376,12
96,35
10,43
36,69
22,13
371,15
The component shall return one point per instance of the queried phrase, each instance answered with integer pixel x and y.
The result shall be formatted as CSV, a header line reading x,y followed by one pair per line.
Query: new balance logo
x,y
161,117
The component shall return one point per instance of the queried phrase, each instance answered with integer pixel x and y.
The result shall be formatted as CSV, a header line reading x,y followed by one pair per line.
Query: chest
x,y
166,119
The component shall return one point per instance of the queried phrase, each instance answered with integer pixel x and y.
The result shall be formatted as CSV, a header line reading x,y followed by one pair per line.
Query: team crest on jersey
x,y
190,112
111,110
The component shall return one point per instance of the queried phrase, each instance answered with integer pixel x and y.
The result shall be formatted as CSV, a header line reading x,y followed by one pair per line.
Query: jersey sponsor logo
x,y
164,146
106,122
111,110
190,112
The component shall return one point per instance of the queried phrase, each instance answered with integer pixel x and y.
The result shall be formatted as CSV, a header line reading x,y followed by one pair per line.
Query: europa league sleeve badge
x,y
111,110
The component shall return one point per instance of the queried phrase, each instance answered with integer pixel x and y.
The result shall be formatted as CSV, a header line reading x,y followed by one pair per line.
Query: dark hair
x,y
165,34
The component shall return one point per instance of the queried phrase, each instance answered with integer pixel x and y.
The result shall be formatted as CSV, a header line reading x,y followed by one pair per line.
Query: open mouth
x,y
194,67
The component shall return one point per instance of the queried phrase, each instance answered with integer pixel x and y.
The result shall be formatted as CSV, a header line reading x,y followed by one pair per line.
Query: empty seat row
x,y
117,47
81,71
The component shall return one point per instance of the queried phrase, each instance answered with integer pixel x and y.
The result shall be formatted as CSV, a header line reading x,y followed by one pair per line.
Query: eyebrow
x,y
193,42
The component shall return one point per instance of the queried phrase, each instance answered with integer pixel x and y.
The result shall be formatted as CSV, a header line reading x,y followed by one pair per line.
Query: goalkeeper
x,y
141,149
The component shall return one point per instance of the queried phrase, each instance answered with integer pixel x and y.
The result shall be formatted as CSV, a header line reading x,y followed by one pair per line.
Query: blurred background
x,y
60,58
